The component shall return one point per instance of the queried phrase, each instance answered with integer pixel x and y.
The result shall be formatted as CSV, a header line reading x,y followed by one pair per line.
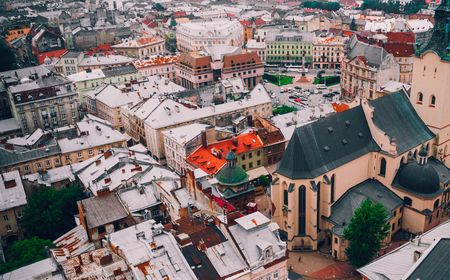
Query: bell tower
x,y
430,91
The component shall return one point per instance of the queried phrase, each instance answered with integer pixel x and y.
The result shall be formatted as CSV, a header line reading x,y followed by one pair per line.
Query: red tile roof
x,y
58,53
179,14
205,159
340,107
399,49
159,60
401,37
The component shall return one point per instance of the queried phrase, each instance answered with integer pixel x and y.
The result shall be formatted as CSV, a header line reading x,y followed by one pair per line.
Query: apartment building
x,y
257,46
141,48
192,36
44,150
198,69
328,51
169,114
13,202
366,68
290,47
45,102
163,66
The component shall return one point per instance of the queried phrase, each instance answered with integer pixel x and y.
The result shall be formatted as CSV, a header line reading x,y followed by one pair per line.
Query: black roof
x,y
395,115
419,179
343,209
200,263
434,265
326,144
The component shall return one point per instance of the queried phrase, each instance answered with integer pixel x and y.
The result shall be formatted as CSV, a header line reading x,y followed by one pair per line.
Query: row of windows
x,y
431,102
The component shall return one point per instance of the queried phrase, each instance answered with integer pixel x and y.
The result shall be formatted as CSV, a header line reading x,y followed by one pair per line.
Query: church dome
x,y
231,174
419,178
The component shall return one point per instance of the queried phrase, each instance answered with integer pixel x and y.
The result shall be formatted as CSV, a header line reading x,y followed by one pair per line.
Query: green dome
x,y
231,175
230,156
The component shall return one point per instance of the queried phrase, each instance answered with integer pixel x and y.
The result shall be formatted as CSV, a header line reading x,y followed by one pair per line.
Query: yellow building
x,y
15,33
370,151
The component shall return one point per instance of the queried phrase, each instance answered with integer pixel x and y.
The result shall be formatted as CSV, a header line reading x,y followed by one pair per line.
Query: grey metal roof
x,y
102,210
442,170
9,157
326,144
343,209
373,55
435,264
395,115
120,70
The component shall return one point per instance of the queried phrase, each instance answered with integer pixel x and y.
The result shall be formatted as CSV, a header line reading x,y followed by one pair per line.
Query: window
x,y
101,229
407,200
243,157
250,165
395,213
436,204
250,155
79,154
285,197
433,101
91,152
419,98
393,226
258,162
335,240
8,227
302,210
5,217
243,166
275,274
383,167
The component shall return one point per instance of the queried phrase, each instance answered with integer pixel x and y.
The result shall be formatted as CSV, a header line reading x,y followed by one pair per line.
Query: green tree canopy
x,y
353,25
365,232
7,57
49,213
329,6
284,109
25,252
158,7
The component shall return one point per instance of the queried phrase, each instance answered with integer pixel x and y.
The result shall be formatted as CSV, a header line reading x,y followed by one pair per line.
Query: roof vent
x,y
330,129
344,141
326,148
360,135
347,123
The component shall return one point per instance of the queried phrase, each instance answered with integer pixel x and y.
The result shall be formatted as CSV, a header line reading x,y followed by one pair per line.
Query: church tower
x,y
430,91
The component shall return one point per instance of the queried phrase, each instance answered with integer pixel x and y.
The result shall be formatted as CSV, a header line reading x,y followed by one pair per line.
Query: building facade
x,y
141,48
290,48
44,102
192,36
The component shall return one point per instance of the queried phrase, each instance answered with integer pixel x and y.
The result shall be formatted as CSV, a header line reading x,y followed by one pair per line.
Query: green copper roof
x,y
439,42
232,176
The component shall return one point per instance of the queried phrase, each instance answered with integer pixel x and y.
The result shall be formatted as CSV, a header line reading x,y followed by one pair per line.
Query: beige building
x,y
193,36
44,102
157,65
365,68
430,86
378,150
328,51
160,116
90,79
13,202
141,48
107,101
43,150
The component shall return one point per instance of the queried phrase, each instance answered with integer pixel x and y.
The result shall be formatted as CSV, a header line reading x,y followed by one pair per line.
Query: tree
x,y
7,57
264,180
25,252
158,7
49,213
353,25
365,232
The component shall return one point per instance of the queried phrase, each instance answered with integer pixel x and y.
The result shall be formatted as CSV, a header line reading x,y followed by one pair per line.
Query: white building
x,y
149,250
192,36
179,142
259,47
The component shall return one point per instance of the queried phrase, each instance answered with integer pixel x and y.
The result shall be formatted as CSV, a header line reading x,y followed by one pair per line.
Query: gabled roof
x,y
399,49
344,208
327,144
395,115
374,55
102,210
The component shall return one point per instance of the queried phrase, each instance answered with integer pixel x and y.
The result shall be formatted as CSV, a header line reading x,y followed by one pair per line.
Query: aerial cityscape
x,y
224,139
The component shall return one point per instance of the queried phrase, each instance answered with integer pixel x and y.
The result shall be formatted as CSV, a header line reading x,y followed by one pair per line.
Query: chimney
x,y
417,256
98,161
107,154
204,140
